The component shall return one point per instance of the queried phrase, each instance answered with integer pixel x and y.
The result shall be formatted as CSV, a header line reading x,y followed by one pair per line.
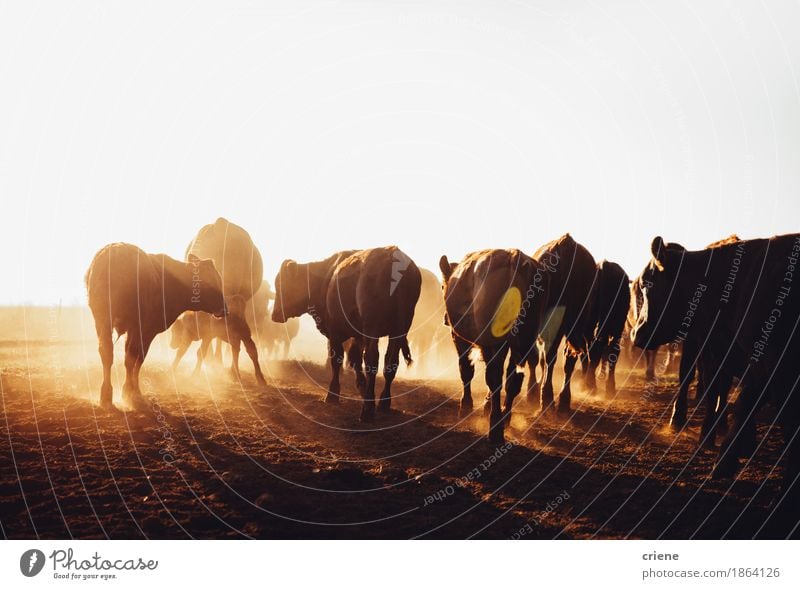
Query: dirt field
x,y
212,458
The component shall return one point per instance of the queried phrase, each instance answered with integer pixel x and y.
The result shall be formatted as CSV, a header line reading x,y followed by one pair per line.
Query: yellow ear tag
x,y
507,312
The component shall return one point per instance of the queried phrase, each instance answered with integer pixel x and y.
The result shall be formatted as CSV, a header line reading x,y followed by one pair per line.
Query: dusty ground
x,y
211,458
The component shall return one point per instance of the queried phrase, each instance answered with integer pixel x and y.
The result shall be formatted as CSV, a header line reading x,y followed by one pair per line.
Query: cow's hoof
x,y
106,404
496,434
725,468
547,410
532,400
677,425
707,442
564,410
135,400
332,398
384,407
465,408
367,414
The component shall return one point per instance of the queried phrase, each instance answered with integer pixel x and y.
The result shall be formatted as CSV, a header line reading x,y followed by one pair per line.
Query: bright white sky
x,y
442,127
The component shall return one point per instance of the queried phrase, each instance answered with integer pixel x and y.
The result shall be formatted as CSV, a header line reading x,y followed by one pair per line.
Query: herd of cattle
x,y
732,307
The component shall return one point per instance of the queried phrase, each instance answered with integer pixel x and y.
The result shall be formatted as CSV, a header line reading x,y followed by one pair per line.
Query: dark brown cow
x,y
611,305
495,301
573,280
714,374
741,299
195,326
141,295
359,295
235,256
714,378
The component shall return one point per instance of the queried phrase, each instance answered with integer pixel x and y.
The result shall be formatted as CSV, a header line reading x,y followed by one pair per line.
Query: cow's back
x,y
612,299
763,307
235,255
478,287
388,290
572,274
123,284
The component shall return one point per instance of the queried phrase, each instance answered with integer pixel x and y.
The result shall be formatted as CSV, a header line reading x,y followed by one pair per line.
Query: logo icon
x,y
31,562
400,262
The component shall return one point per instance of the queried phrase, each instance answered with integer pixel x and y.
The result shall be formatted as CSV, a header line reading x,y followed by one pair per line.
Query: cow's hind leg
x,y
714,412
371,357
136,347
202,353
610,360
686,373
106,349
252,351
336,354
565,396
355,358
391,360
551,356
179,354
534,386
495,358
741,437
467,371
513,385
236,347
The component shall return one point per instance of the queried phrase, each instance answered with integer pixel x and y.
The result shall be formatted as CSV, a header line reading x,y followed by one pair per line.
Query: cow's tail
x,y
406,351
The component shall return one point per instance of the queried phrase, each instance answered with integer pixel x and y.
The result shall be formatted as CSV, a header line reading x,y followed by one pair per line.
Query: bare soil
x,y
214,458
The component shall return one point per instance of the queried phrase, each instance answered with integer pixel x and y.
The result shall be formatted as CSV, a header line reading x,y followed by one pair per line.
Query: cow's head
x,y
291,292
206,287
657,304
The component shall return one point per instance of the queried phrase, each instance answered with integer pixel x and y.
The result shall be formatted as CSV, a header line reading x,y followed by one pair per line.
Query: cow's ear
x,y
446,268
659,249
287,265
193,259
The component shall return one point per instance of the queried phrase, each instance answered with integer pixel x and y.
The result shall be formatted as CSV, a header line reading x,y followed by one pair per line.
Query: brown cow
x,y
141,295
235,255
195,326
238,261
359,295
495,301
611,305
573,280
715,374
714,379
